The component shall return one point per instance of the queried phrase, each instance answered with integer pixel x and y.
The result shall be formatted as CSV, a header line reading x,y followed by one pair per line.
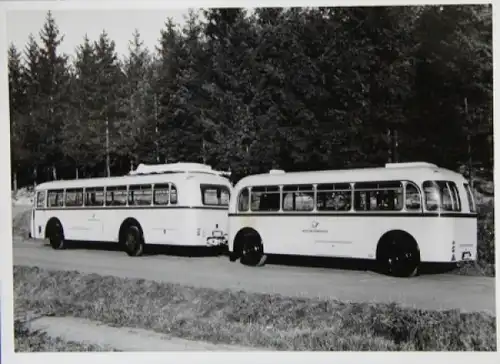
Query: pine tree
x,y
54,87
141,123
34,124
80,144
18,117
165,86
111,103
191,121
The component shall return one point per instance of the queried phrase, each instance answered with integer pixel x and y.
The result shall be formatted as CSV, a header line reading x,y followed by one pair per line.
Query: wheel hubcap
x,y
398,258
251,250
130,242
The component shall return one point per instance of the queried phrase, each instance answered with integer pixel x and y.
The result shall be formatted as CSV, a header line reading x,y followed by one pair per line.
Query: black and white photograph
x,y
251,179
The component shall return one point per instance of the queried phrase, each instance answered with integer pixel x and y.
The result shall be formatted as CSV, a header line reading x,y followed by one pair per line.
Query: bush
x,y
486,236
485,263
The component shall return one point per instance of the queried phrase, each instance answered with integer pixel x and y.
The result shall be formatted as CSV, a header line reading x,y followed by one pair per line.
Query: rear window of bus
x,y
213,195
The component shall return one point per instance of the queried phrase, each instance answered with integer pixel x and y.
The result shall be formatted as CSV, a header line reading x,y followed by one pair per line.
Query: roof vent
x,y
276,171
180,167
411,165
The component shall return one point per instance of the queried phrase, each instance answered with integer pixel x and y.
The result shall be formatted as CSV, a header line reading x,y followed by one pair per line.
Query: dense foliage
x,y
290,88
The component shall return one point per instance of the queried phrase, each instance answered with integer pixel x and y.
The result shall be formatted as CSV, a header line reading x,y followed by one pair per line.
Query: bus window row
x,y
133,195
362,196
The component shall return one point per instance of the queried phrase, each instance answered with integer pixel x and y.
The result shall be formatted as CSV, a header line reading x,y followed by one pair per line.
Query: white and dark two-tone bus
x,y
181,204
400,216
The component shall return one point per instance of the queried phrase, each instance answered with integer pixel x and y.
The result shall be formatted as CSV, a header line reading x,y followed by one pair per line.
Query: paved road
x,y
438,291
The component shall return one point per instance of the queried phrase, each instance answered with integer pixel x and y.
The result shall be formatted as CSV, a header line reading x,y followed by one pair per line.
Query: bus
x,y
181,204
398,216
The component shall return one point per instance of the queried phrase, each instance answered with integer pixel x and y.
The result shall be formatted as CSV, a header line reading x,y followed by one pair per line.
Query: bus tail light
x,y
198,232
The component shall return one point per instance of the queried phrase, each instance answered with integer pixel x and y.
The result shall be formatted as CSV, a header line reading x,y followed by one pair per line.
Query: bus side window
x,y
333,197
431,196
116,196
161,194
450,201
456,196
378,196
55,198
139,195
412,197
265,198
74,197
40,199
173,194
470,198
243,200
94,196
225,196
298,198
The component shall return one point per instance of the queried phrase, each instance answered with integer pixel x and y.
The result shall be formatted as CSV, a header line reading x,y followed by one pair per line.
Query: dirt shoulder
x,y
88,332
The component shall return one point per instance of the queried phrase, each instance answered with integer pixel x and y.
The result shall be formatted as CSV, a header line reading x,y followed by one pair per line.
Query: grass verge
x,y
248,319
27,340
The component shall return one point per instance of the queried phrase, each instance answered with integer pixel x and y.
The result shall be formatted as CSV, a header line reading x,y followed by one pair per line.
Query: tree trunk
x,y
76,172
35,175
15,183
54,173
396,147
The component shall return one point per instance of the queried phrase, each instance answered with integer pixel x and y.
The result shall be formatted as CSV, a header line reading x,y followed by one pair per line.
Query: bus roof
x,y
173,177
416,172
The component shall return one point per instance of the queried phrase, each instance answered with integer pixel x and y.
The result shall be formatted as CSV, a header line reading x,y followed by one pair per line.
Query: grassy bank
x,y
256,320
27,340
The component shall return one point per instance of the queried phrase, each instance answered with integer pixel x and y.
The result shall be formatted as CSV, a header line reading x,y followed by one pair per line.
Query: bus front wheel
x,y
398,254
56,235
252,250
133,241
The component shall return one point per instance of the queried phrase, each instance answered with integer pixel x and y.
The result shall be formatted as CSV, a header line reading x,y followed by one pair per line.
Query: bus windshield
x,y
441,195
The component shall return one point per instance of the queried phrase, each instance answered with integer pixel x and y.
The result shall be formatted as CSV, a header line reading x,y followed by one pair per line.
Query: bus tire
x,y
398,254
55,233
251,249
133,241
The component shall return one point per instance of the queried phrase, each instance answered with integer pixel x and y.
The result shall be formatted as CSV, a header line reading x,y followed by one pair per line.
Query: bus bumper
x,y
216,241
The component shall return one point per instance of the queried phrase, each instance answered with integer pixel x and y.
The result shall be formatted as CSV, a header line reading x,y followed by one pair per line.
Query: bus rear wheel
x,y
56,236
133,241
398,255
252,251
